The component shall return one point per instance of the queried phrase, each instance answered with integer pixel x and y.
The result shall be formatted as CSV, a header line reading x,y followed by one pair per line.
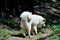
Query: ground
x,y
39,36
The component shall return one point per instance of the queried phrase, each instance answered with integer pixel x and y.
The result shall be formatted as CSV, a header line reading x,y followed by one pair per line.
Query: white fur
x,y
25,14
35,20
25,25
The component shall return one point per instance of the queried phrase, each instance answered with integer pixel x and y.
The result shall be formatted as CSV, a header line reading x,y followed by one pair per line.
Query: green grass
x,y
56,32
54,37
9,22
4,34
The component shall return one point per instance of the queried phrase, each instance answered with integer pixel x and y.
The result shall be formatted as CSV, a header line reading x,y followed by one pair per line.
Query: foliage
x,y
21,31
54,37
56,28
9,22
56,32
4,34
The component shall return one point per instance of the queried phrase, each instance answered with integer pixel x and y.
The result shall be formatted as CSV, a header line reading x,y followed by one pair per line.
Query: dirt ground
x,y
39,36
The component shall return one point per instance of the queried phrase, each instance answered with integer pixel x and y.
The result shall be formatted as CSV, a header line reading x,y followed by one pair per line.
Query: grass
x,y
54,37
4,34
56,32
9,22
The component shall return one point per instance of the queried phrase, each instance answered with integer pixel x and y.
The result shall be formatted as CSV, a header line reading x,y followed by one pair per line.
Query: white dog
x,y
27,20
37,21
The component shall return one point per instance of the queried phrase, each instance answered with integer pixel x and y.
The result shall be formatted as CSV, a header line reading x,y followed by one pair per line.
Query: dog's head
x,y
43,22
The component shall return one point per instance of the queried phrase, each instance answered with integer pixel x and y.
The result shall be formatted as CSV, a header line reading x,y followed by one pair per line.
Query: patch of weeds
x,y
21,31
54,37
56,32
9,22
39,35
4,34
56,28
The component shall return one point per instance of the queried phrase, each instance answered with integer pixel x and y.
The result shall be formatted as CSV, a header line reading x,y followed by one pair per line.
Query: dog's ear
x,y
28,18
